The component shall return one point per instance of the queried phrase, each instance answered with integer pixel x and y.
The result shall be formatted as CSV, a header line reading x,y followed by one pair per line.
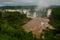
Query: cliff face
x,y
37,25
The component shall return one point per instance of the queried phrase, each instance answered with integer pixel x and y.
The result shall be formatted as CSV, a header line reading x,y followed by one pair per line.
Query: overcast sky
x,y
27,2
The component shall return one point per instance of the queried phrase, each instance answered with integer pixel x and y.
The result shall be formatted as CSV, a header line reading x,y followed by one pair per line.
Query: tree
x,y
55,21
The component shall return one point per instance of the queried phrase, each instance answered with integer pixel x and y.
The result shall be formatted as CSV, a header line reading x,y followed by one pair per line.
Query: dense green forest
x,y
11,27
55,21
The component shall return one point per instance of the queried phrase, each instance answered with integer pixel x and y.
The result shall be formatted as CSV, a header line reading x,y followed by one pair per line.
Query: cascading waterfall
x,y
42,13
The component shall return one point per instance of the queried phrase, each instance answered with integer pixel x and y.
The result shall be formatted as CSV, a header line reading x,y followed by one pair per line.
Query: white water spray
x,y
43,4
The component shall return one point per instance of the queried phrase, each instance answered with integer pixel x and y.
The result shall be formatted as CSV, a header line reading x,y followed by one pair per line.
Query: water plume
x,y
43,4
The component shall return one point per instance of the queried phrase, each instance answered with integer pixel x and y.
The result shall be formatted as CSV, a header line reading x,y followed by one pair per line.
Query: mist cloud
x,y
46,3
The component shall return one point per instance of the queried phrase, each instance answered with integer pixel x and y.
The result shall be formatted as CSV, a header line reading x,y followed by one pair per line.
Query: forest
x,y
17,7
11,26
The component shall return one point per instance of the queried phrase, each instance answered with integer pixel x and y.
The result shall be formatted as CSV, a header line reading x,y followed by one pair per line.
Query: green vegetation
x,y
55,21
11,27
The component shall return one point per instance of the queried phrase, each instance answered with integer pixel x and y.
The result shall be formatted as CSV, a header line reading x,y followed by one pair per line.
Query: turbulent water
x,y
42,13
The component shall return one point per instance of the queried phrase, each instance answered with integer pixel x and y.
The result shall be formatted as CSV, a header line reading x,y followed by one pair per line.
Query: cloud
x,y
17,2
28,2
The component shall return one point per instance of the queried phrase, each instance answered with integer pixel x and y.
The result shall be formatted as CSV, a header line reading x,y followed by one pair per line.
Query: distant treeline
x,y
17,7
25,7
